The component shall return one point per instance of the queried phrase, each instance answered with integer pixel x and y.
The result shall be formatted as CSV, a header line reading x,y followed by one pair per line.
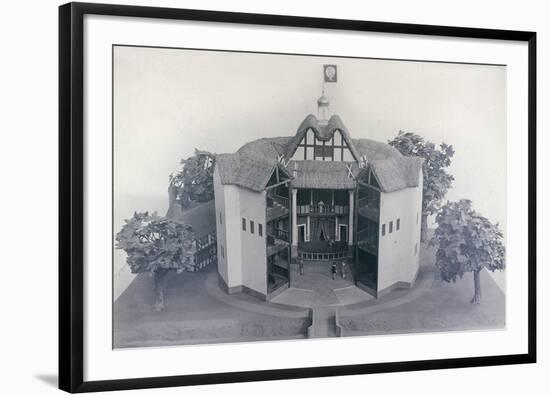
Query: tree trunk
x,y
477,288
159,289
424,228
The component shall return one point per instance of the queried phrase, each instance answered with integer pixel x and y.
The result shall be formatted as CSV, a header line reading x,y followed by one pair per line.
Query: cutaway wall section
x,y
253,240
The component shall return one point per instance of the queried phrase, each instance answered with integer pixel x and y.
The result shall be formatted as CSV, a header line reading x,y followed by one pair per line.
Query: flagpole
x,y
323,80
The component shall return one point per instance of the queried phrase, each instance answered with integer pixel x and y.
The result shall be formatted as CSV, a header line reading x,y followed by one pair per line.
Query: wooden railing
x,y
322,251
322,256
322,209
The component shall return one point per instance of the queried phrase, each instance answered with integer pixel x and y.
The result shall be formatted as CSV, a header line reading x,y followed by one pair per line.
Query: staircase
x,y
277,210
323,322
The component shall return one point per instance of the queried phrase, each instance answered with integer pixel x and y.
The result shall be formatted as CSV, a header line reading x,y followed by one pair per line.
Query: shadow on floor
x,y
50,379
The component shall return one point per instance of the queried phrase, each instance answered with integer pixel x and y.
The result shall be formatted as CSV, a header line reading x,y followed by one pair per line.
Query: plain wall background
x,y
168,102
28,158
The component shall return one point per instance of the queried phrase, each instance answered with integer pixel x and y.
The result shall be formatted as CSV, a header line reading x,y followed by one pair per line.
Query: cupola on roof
x,y
323,100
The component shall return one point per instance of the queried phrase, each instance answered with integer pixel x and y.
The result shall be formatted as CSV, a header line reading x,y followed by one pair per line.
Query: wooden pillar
x,y
350,224
307,236
294,224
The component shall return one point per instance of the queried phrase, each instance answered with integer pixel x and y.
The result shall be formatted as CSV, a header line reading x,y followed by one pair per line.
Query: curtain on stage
x,y
323,229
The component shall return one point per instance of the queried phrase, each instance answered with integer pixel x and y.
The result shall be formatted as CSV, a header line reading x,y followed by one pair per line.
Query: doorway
x,y
343,232
301,233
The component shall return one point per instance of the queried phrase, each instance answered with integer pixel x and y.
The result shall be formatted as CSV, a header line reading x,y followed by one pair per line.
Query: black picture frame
x,y
71,197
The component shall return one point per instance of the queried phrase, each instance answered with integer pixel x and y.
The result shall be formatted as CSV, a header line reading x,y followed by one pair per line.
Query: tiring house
x,y
318,196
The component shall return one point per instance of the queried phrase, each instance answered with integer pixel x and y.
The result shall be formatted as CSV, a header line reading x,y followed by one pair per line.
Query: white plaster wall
x,y
397,260
232,225
219,203
245,261
299,154
253,246
415,231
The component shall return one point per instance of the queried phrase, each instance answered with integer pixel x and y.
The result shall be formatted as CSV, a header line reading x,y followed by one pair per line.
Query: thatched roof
x,y
322,132
252,165
201,218
316,174
249,172
393,170
265,148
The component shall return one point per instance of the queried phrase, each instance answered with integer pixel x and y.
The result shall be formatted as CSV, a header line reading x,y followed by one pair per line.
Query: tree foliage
x,y
466,242
436,179
154,244
194,181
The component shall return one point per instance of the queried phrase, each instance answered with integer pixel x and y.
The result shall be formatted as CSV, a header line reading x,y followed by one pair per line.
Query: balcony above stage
x,y
322,209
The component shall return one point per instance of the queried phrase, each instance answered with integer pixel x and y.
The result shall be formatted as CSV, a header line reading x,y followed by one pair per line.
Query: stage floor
x,y
316,287
318,275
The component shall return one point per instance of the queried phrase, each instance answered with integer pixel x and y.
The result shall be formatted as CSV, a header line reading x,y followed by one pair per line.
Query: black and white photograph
x,y
276,197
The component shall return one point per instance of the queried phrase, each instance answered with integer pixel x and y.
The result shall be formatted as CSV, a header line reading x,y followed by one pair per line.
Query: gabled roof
x,y
322,132
393,170
252,165
265,148
393,175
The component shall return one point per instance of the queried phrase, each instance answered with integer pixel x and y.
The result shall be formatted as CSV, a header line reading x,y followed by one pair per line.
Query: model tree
x,y
436,179
156,245
466,242
194,181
